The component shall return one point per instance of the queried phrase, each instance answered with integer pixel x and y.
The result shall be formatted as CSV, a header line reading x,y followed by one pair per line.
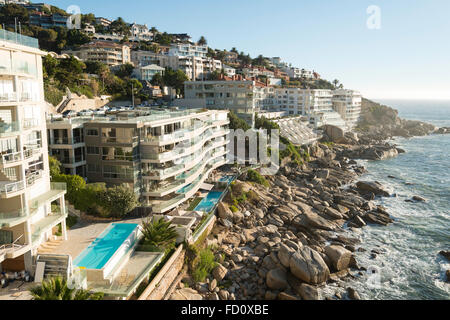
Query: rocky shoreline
x,y
291,240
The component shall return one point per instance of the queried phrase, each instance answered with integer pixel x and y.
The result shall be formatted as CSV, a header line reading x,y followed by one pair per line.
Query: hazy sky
x,y
408,57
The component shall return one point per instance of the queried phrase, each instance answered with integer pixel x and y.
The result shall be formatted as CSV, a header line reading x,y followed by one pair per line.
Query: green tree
x,y
157,80
175,79
119,26
75,184
9,12
124,70
202,41
236,122
335,83
55,166
159,233
119,200
57,289
76,38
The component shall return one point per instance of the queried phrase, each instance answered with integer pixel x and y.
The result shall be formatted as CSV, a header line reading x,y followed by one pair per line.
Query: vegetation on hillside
x,y
95,198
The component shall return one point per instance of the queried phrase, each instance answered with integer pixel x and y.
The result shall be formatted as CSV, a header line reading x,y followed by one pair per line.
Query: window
x,y
92,132
93,150
93,168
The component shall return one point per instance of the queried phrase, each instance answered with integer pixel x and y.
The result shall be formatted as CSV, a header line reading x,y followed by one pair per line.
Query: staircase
x,y
56,265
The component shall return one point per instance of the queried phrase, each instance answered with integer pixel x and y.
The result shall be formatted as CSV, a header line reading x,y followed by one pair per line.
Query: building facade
x,y
164,156
348,104
109,53
30,206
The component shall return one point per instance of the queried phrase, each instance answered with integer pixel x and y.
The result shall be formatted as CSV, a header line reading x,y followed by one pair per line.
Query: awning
x,y
206,186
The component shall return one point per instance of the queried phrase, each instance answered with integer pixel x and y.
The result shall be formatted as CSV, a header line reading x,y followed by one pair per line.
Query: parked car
x,y
85,113
69,113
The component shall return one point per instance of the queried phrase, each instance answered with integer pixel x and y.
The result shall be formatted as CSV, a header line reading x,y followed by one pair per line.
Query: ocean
x,y
409,266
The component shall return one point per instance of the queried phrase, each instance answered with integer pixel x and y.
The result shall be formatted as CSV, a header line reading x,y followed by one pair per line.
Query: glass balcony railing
x,y
7,189
11,217
7,129
163,206
11,157
19,39
33,177
8,97
158,173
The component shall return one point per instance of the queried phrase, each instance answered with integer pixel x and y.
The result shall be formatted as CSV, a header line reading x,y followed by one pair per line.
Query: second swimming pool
x,y
208,203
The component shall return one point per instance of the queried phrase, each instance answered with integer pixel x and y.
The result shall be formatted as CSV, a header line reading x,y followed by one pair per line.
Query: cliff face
x,y
383,122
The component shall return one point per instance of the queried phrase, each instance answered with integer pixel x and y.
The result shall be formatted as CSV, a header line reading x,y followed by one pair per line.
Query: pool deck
x,y
80,236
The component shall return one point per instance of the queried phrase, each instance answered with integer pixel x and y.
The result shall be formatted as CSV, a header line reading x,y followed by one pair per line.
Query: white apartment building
x,y
30,206
109,53
348,104
298,73
66,143
316,105
229,71
164,156
188,50
243,97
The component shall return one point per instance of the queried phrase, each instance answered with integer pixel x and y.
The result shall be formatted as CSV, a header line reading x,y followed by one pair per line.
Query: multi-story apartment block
x,y
314,104
188,50
165,156
348,104
229,71
103,21
48,20
66,143
30,206
109,53
244,97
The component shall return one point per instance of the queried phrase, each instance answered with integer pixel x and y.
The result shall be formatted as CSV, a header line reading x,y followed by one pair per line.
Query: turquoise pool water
x,y
227,179
208,203
102,249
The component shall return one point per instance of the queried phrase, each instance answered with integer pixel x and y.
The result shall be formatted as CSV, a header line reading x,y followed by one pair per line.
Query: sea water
x,y
409,266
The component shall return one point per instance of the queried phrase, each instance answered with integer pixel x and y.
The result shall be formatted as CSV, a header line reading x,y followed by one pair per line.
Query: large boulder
x,y
339,257
311,220
372,187
284,254
224,211
186,294
219,272
308,292
307,265
276,279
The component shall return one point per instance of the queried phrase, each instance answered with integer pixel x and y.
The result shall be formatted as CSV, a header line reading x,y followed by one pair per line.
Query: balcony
x,y
12,218
9,129
11,157
8,97
8,189
19,39
46,224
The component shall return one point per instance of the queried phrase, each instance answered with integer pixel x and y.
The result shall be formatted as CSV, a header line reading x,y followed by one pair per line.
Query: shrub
x,y
57,289
254,176
204,265
118,200
75,184
234,209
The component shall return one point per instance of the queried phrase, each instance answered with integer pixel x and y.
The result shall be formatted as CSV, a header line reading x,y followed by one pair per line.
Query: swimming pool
x,y
102,249
208,203
228,179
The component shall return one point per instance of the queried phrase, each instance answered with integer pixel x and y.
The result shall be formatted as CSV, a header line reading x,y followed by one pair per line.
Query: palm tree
x,y
158,233
335,82
202,41
57,289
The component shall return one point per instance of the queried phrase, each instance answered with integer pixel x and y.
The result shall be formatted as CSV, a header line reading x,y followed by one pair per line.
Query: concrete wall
x,y
162,281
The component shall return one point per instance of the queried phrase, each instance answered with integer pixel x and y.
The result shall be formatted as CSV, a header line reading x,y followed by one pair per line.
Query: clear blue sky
x,y
409,57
